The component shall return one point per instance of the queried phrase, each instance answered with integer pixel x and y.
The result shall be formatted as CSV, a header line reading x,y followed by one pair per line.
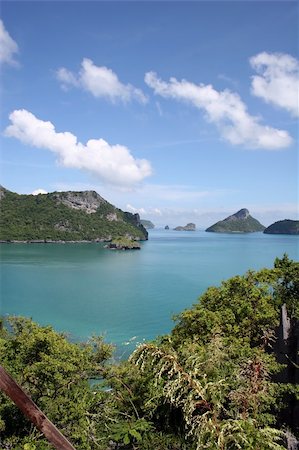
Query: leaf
x,y
136,434
126,439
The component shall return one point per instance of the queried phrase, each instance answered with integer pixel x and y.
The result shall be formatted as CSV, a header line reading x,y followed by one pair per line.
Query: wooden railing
x,y
30,410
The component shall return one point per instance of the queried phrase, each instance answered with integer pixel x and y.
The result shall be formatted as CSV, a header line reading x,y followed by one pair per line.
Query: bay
x,y
128,296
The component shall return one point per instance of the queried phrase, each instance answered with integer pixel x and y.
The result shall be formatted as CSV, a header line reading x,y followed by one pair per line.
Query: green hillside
x,y
240,222
283,227
66,216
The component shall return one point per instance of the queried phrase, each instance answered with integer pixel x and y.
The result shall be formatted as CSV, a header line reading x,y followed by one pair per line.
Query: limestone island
x,y
188,227
240,222
283,227
147,224
64,217
166,227
123,243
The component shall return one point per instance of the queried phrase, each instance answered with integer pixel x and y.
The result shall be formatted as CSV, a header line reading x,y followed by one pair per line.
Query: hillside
x,y
283,227
66,216
240,222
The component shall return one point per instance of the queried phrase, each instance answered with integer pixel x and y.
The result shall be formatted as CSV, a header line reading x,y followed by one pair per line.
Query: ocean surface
x,y
127,296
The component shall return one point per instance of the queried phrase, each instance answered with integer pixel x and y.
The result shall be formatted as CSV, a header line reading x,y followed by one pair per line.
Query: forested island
x,y
223,379
188,227
240,222
64,216
283,227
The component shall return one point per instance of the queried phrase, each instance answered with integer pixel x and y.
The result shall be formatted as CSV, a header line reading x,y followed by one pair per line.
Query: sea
x,y
127,296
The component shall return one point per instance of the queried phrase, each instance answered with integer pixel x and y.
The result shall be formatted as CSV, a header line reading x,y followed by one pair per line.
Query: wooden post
x,y
30,410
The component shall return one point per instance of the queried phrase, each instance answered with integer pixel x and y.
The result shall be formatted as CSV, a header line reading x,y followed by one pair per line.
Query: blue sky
x,y
181,111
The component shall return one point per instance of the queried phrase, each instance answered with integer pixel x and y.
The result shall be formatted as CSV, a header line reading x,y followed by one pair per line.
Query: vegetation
x,y
45,217
283,227
240,222
123,243
209,384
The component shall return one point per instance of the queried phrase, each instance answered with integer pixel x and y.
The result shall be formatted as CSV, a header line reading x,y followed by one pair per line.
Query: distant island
x,y
166,227
240,222
64,216
283,227
188,227
147,224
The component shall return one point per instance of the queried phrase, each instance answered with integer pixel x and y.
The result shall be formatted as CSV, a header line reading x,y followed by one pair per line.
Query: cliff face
x,y
67,216
88,201
283,227
240,222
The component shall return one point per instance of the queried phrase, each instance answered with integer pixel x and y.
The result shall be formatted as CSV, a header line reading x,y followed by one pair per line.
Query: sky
x,y
180,111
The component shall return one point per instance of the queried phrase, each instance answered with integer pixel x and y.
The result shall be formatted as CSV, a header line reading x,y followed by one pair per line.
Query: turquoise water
x,y
84,289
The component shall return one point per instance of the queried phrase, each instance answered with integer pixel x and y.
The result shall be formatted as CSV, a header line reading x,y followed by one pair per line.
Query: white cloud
x,y
112,164
226,110
278,80
101,82
8,47
39,191
66,78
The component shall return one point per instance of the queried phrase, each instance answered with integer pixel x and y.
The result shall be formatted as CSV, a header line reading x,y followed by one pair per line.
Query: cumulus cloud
x,y
113,164
39,191
101,82
226,110
277,81
8,47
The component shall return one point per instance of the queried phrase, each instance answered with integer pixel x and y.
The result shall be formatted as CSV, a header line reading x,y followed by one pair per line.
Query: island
x,y
147,224
285,226
188,227
240,222
166,227
65,217
123,243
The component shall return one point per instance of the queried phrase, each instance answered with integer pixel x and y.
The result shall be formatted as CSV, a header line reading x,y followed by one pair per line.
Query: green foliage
x,y
216,367
124,243
43,217
247,225
283,227
56,374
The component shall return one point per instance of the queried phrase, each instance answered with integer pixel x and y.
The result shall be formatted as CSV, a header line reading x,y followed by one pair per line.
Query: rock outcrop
x,y
240,222
88,201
